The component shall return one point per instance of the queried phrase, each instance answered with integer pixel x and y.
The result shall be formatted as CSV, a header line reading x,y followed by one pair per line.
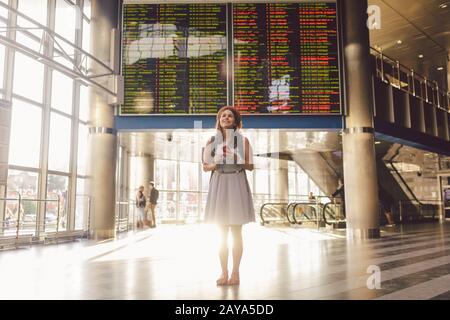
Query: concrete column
x,y
282,181
360,174
141,173
102,135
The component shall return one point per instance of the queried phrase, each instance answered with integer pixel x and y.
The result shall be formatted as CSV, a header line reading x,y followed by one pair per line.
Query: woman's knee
x,y
236,232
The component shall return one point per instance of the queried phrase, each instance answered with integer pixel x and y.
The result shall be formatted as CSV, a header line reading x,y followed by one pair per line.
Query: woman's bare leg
x,y
238,248
223,255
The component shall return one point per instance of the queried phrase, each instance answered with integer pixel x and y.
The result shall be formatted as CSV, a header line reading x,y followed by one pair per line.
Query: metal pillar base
x,y
103,234
363,234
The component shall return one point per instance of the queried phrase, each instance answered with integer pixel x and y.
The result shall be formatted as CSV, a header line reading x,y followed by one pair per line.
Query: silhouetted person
x,y
154,195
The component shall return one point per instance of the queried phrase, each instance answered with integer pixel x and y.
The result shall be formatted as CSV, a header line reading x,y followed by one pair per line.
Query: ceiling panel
x,y
423,27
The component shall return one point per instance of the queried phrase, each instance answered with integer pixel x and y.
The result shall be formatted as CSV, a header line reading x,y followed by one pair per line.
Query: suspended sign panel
x,y
174,58
276,58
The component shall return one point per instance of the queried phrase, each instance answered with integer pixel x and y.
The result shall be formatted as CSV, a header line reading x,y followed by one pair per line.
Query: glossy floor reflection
x,y
180,262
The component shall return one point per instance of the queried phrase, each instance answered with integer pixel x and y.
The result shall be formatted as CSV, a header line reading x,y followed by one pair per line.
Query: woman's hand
x,y
234,155
209,167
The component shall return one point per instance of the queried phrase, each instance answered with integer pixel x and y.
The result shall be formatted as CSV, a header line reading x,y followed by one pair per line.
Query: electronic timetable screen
x,y
263,58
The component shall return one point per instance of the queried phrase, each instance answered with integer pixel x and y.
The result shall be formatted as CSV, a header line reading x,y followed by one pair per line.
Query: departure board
x,y
174,58
264,58
286,58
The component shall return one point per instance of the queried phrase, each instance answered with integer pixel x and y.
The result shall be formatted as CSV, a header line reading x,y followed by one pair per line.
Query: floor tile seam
x,y
361,281
430,274
420,291
344,269
358,254
413,244
412,250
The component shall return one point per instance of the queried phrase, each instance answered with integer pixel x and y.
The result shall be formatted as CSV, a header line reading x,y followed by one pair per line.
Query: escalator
x,y
325,169
407,177
273,213
303,213
396,188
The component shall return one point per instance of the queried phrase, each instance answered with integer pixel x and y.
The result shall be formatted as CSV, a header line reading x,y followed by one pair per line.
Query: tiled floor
x,y
180,262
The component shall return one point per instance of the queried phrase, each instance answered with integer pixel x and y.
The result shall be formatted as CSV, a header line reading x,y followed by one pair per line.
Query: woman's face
x,y
226,119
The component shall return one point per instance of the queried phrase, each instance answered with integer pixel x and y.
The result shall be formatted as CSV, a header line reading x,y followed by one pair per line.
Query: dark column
x,y
360,174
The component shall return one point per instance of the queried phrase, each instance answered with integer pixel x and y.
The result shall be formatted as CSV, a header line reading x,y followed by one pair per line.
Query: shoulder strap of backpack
x,y
213,150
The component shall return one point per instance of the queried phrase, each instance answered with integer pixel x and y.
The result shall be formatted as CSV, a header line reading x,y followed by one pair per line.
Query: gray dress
x,y
229,200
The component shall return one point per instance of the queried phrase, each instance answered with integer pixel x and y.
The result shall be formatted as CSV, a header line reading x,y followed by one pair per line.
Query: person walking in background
x,y
387,202
229,203
140,207
154,195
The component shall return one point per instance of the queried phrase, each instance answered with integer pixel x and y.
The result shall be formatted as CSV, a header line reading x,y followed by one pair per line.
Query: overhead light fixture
x,y
440,68
399,41
377,142
420,56
443,5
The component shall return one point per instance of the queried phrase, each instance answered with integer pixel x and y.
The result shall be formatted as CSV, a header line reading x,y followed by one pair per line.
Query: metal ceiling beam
x,y
53,64
77,74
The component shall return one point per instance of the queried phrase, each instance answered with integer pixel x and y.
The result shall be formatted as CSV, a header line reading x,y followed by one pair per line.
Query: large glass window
x,y
35,9
65,23
167,206
303,183
203,204
87,8
28,77
57,188
250,179
291,179
22,182
258,201
25,184
2,64
189,206
3,12
27,39
28,123
82,148
62,87
25,140
84,103
86,45
262,181
59,148
314,188
189,178
166,175
82,206
206,176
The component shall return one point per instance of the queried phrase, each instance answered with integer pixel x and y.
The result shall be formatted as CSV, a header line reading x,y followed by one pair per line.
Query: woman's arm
x,y
208,162
209,167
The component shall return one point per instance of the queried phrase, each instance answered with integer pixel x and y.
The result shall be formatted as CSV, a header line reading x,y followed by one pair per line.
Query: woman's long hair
x,y
237,118
220,134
